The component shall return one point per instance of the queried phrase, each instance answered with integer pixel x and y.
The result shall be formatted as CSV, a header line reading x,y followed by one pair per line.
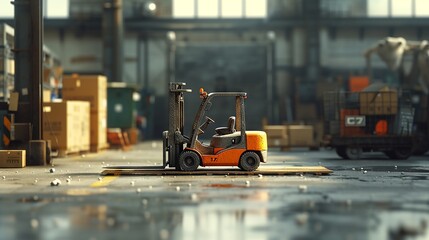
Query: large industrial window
x,y
232,8
402,8
422,8
208,8
256,9
378,8
397,8
6,9
184,8
57,9
52,9
219,8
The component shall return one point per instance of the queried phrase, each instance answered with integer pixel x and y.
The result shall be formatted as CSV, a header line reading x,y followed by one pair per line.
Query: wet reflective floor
x,y
374,198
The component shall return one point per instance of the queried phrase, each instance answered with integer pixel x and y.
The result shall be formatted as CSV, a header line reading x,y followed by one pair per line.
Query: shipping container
x,y
358,122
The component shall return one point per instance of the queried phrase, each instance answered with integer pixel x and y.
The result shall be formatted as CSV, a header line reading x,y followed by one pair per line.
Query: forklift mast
x,y
175,136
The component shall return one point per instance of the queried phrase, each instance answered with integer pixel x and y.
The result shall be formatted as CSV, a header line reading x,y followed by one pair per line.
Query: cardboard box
x,y
11,66
66,124
7,65
378,103
300,135
276,131
12,158
91,88
278,142
46,95
98,127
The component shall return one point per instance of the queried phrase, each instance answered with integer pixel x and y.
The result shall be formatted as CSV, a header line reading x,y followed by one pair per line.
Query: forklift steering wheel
x,y
209,120
203,127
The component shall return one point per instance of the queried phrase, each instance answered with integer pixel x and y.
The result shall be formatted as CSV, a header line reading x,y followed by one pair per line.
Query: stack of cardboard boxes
x,y
286,136
383,102
91,88
301,135
277,136
66,125
78,123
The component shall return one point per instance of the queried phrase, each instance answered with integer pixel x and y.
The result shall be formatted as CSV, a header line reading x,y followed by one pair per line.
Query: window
x,y
232,8
378,8
6,9
57,9
219,8
183,8
402,8
256,8
208,8
422,8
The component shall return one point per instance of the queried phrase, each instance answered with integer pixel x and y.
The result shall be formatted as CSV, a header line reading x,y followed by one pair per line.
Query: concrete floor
x,y
374,198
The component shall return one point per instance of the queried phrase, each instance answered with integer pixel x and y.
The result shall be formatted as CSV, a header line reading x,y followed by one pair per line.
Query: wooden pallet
x,y
97,148
266,171
67,152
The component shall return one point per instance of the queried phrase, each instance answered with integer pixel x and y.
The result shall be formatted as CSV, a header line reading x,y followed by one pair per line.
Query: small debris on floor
x,y
302,188
301,219
34,223
56,182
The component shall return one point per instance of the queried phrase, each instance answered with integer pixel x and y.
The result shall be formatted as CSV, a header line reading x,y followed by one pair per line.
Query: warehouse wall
x,y
78,53
83,52
344,48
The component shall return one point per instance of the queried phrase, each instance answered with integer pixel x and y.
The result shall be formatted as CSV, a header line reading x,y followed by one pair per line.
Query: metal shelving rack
x,y
7,61
52,72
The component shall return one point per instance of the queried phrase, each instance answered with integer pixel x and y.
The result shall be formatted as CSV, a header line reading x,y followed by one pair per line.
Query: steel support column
x,y
113,38
312,16
28,62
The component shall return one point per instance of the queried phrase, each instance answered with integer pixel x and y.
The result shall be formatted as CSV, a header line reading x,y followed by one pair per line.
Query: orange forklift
x,y
231,145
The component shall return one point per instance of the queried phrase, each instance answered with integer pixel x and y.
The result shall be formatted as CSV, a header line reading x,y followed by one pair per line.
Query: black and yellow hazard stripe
x,y
7,126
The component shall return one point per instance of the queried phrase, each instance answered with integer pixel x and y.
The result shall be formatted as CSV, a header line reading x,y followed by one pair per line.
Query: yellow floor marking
x,y
104,181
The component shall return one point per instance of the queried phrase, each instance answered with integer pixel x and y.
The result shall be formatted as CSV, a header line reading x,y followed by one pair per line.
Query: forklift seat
x,y
227,130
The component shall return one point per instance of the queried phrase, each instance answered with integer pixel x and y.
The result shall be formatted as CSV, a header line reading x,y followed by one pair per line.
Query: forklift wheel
x,y
341,151
249,161
399,154
189,161
353,153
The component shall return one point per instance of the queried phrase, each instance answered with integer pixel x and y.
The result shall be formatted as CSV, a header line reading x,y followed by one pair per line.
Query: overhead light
x,y
150,7
171,35
271,35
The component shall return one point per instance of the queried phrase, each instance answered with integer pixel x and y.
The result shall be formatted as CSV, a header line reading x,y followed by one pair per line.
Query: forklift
x,y
229,146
